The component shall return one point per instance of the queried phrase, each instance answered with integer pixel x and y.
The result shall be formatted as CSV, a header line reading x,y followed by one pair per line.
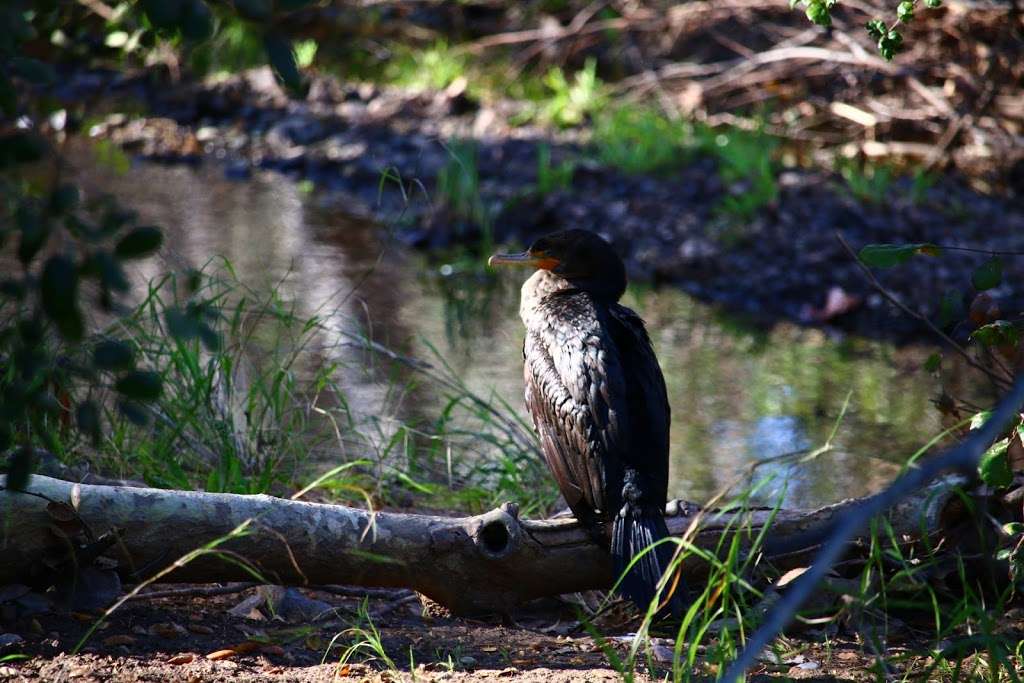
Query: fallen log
x,y
484,563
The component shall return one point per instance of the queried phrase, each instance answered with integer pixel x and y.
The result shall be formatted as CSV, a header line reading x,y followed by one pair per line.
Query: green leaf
x,y
163,14
291,5
980,418
988,275
876,29
889,255
818,13
997,333
59,293
140,242
110,271
890,43
64,198
35,231
257,10
140,385
196,21
933,4
21,147
1013,528
282,61
209,337
933,363
6,438
33,70
19,468
951,308
113,355
181,325
136,413
905,11
8,97
13,289
994,468
87,417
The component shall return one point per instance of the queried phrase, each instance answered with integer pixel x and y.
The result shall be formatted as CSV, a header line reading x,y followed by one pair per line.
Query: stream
x,y
739,393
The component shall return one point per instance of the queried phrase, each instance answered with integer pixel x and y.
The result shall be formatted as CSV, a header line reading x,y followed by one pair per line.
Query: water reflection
x,y
739,395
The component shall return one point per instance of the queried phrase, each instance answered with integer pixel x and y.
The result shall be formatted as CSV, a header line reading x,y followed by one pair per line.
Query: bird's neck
x,y
544,283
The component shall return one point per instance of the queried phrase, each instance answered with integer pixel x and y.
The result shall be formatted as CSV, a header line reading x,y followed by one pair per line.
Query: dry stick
x,y
1000,382
195,591
963,457
531,35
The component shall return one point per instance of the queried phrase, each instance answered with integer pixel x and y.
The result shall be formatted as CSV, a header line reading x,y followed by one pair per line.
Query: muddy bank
x,y
380,151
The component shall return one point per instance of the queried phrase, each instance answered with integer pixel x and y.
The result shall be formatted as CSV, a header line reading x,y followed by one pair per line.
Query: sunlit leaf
x,y
876,29
980,418
994,468
997,333
818,13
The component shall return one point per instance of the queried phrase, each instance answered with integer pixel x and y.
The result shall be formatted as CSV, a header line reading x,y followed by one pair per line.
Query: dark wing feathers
x,y
575,391
647,400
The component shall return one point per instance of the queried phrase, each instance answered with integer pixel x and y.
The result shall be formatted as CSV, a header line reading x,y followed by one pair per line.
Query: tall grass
x,y
266,402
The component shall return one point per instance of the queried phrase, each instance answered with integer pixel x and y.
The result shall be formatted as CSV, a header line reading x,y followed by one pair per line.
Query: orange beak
x,y
537,259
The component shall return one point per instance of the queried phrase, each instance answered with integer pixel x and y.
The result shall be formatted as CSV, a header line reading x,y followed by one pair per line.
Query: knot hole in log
x,y
497,534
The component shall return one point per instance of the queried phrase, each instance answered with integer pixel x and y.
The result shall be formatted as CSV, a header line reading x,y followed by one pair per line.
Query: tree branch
x,y
963,457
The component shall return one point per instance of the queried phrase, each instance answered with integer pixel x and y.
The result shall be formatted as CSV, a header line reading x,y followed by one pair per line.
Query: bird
x,y
599,404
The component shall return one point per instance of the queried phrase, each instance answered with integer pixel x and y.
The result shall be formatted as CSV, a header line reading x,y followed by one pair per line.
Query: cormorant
x,y
598,401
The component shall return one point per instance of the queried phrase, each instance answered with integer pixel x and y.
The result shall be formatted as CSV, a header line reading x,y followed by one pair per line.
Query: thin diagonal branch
x,y
1000,381
963,457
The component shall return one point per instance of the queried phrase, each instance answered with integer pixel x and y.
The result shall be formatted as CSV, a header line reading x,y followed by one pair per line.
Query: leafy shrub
x,y
640,140
746,162
571,103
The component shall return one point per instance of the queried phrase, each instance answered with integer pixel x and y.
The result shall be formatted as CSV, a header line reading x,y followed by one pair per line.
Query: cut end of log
x,y
497,533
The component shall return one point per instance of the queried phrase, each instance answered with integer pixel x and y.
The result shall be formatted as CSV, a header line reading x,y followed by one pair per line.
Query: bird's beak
x,y
537,259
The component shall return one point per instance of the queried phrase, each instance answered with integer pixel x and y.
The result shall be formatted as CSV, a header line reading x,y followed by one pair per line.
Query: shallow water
x,y
739,395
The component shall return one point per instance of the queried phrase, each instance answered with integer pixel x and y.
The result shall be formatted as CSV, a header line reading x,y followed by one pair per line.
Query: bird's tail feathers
x,y
634,531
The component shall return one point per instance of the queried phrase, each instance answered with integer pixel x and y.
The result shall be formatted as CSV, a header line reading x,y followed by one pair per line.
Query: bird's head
x,y
581,257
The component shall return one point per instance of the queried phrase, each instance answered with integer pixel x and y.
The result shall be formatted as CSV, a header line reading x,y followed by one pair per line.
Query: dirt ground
x,y
238,637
